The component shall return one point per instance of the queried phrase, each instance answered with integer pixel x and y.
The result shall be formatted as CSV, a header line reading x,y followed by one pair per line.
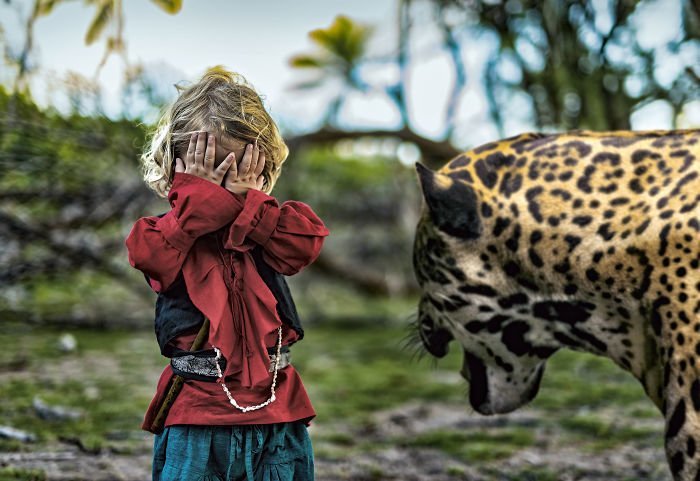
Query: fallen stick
x,y
177,382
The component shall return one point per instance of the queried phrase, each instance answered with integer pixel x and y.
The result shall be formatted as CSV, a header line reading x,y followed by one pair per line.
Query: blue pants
x,y
255,452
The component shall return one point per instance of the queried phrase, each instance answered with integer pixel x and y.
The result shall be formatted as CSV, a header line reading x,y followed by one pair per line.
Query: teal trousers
x,y
256,452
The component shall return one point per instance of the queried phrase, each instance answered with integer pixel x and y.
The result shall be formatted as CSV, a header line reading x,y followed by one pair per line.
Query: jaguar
x,y
582,240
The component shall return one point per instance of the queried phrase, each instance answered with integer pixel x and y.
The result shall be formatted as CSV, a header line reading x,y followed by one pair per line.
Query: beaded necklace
x,y
274,378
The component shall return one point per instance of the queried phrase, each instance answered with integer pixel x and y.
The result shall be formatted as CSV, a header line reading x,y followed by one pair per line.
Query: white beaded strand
x,y
274,378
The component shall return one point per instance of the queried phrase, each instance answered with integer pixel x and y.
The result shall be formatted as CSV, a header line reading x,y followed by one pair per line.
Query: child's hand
x,y
247,175
200,162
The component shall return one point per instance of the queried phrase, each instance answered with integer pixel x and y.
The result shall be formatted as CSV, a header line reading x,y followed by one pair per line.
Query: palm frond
x,y
45,7
169,6
307,61
104,14
344,39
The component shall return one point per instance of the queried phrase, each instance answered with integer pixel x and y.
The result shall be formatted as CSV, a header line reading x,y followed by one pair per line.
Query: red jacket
x,y
207,234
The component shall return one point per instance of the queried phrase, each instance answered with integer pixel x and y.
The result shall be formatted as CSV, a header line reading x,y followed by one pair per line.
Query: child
x,y
242,413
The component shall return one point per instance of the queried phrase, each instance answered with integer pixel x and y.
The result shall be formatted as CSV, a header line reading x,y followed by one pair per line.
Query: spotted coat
x,y
582,240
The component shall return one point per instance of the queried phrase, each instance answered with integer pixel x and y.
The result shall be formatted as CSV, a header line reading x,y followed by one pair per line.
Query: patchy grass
x,y
350,371
576,380
105,378
475,446
602,434
534,474
596,404
15,474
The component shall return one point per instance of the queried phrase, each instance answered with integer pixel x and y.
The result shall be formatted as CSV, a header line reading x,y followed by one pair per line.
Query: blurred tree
x,y
341,53
584,64
107,13
67,189
68,186
370,205
147,88
81,91
580,64
341,48
111,12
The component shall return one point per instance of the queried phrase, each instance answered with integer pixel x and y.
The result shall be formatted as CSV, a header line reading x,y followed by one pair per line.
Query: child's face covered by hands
x,y
219,164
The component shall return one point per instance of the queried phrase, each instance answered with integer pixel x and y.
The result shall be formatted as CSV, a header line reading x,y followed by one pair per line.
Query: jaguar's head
x,y
470,297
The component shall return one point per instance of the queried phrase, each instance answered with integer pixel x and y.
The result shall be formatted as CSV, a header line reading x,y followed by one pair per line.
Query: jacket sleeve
x,y
157,246
291,234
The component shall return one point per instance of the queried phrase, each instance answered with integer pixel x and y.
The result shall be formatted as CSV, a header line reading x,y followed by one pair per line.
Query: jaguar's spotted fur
x,y
583,240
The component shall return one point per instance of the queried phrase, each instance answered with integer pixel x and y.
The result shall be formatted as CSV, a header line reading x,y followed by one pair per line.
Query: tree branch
x,y
434,153
366,281
455,52
78,256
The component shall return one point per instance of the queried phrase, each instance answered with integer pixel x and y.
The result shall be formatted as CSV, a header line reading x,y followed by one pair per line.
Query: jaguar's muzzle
x,y
435,339
490,391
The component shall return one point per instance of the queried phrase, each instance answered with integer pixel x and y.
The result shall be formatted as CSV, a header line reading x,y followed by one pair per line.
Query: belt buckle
x,y
198,365
285,360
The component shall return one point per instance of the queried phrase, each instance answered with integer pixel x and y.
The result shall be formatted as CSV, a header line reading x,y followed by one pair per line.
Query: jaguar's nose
x,y
435,338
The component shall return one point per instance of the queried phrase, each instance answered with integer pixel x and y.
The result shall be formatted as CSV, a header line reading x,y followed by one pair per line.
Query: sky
x,y
257,39
254,38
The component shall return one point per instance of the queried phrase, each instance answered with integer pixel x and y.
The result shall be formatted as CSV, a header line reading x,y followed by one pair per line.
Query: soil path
x,y
548,459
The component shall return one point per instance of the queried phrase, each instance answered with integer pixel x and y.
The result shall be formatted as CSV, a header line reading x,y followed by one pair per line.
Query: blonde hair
x,y
221,102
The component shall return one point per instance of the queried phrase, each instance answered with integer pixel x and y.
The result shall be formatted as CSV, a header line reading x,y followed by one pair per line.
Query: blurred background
x,y
361,91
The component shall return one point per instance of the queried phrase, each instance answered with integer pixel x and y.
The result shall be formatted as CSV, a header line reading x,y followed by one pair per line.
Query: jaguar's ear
x,y
452,203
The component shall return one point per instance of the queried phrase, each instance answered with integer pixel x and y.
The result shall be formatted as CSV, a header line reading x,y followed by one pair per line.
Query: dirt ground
x,y
377,420
548,459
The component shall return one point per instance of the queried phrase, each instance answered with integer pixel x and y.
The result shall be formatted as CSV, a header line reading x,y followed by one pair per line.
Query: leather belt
x,y
201,365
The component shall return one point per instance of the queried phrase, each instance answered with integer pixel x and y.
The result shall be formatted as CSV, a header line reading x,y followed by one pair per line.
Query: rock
x,y
67,343
55,413
91,393
8,432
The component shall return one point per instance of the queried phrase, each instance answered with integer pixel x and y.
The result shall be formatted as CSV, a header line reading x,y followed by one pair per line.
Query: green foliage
x,y
72,154
534,474
367,203
344,186
91,379
344,39
45,7
19,474
605,434
169,6
340,51
471,446
110,11
585,380
66,183
105,11
351,373
305,61
583,64
350,365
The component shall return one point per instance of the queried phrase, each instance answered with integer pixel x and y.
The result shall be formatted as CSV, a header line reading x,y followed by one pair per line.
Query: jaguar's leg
x,y
681,388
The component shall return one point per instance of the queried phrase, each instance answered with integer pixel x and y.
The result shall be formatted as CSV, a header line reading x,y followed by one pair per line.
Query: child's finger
x,y
179,165
189,158
199,149
210,153
255,156
226,164
259,183
245,163
260,165
232,173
